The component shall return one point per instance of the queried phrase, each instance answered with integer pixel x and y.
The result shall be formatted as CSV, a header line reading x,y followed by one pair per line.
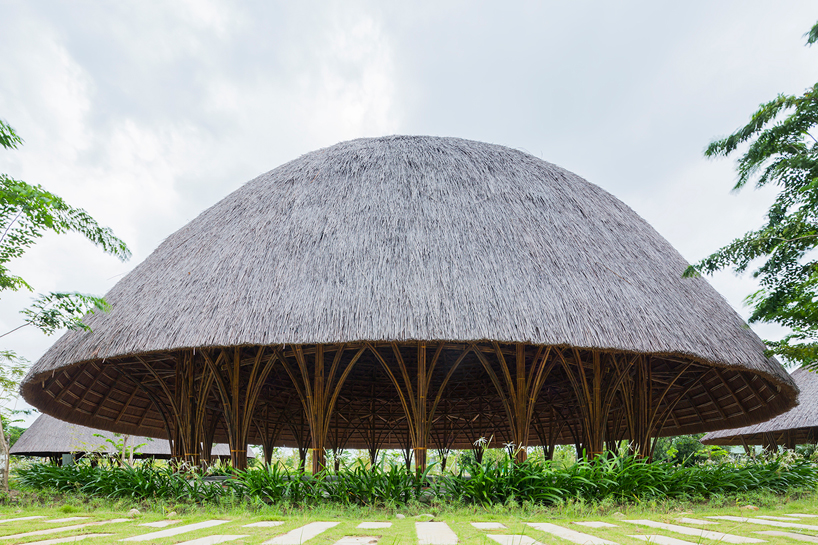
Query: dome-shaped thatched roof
x,y
406,238
799,425
415,238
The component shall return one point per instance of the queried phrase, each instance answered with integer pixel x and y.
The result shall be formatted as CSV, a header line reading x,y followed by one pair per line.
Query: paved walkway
x,y
177,532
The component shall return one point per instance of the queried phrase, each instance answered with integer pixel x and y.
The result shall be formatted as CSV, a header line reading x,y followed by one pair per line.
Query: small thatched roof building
x,y
49,437
794,427
412,291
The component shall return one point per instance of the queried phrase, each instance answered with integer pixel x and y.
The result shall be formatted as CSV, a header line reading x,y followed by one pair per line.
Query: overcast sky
x,y
145,113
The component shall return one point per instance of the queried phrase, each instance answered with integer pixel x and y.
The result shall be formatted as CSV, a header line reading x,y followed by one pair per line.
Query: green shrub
x,y
493,482
624,478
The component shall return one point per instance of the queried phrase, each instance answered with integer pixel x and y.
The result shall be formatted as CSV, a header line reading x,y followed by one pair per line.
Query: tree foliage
x,y
779,148
27,212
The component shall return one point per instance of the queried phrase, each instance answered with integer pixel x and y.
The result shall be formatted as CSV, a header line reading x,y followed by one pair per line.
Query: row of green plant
x,y
623,478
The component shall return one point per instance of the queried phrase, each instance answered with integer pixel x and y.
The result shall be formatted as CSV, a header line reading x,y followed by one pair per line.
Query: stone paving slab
x,y
374,525
211,540
488,525
435,533
595,524
302,534
687,520
802,515
791,535
514,539
69,519
766,522
176,531
3,521
570,535
357,540
160,523
663,540
770,517
63,529
69,539
264,524
698,532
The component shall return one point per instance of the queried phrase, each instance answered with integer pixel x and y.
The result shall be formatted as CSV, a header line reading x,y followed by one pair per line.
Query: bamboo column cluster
x,y
414,393
318,394
519,393
238,396
600,397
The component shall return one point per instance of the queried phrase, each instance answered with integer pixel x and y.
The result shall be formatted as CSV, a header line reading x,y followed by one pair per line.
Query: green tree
x,y
779,148
27,212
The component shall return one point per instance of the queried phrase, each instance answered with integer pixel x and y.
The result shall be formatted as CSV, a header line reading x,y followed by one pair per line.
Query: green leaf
x,y
59,310
780,149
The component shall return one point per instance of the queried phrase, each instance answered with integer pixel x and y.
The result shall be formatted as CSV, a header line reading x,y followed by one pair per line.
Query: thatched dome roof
x,y
414,238
405,238
48,436
801,423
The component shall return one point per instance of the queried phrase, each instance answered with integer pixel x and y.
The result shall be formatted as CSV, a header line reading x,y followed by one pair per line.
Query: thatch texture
x,y
797,426
48,436
407,239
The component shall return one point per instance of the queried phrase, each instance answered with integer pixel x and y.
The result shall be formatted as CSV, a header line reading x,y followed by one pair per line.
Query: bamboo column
x,y
748,451
406,449
444,436
239,395
192,389
595,386
477,445
269,433
548,437
637,398
319,393
164,412
414,398
768,442
301,432
208,434
646,413
519,390
373,434
338,439
789,439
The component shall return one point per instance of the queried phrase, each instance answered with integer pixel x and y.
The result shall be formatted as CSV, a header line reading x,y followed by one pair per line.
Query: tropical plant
x,y
621,478
686,450
122,453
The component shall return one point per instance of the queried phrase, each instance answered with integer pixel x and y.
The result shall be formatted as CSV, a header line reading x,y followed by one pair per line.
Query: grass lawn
x,y
458,519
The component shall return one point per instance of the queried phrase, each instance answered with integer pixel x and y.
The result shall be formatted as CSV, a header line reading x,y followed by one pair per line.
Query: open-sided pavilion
x,y
48,437
795,427
412,292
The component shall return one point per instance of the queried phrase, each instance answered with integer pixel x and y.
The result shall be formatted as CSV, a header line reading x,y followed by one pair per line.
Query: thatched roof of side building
x,y
799,425
48,436
412,238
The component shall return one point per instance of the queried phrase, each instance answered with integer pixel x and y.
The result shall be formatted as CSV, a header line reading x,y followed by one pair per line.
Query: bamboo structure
x,y
414,293
48,437
795,427
319,398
